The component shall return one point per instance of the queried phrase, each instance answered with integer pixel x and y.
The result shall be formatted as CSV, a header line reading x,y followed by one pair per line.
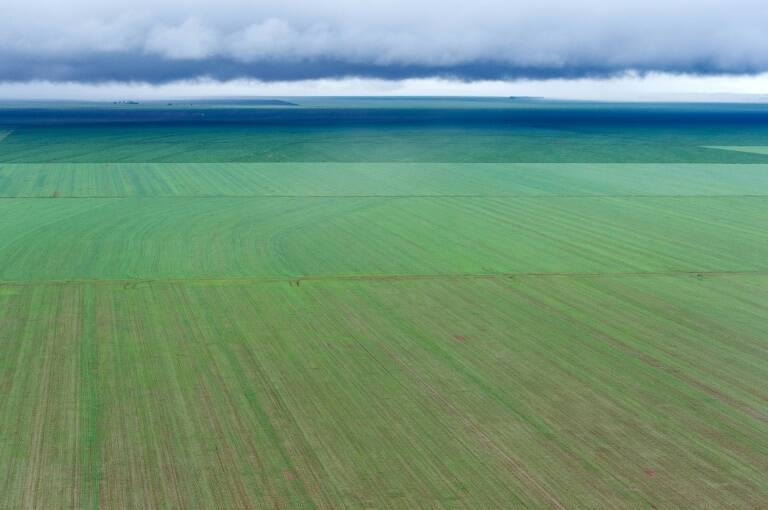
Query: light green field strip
x,y
544,393
58,239
344,179
738,148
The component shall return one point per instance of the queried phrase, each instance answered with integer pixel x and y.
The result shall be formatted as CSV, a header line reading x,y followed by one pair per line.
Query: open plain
x,y
353,304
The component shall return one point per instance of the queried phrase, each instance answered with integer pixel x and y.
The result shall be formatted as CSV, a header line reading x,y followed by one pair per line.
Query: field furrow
x,y
367,303
261,238
388,393
378,179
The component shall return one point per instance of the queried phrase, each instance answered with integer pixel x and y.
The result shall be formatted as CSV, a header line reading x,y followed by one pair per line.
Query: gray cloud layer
x,y
163,40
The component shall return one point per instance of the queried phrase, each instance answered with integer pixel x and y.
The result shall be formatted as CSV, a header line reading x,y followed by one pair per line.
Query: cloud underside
x,y
153,69
163,41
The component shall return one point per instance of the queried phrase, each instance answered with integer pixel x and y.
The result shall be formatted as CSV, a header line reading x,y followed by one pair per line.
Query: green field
x,y
335,142
416,392
754,150
508,180
352,332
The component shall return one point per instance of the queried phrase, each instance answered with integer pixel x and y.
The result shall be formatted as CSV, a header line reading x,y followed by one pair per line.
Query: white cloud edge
x,y
630,87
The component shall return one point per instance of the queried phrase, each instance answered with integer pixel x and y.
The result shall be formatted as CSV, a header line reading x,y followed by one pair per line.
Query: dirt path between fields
x,y
295,281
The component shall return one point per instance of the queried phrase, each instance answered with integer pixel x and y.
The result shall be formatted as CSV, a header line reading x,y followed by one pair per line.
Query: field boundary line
x,y
523,165
445,195
297,280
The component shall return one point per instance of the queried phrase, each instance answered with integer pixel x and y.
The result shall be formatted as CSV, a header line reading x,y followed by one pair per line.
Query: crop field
x,y
506,180
755,150
196,315
385,144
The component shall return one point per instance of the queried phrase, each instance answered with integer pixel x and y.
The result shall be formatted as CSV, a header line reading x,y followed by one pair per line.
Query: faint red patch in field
x,y
288,475
460,338
649,472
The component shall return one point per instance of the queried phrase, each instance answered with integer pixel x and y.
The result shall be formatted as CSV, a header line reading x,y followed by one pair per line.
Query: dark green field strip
x,y
256,238
335,142
382,179
469,393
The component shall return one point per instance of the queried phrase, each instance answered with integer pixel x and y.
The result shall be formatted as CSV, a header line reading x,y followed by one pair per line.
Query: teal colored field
x,y
329,139
348,306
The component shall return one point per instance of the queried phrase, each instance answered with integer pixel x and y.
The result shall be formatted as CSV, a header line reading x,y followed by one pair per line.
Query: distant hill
x,y
270,102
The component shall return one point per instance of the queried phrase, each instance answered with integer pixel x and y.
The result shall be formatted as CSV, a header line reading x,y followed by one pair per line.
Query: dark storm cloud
x,y
168,40
153,69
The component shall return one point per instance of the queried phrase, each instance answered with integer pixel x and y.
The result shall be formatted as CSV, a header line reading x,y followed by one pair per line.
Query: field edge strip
x,y
368,195
298,279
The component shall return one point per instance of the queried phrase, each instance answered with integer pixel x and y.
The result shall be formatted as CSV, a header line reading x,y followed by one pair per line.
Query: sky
x,y
558,48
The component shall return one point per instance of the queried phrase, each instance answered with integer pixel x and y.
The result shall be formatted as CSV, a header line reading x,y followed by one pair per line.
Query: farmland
x,y
460,313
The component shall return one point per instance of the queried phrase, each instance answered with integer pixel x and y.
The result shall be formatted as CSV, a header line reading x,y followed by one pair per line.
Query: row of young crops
x,y
542,391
